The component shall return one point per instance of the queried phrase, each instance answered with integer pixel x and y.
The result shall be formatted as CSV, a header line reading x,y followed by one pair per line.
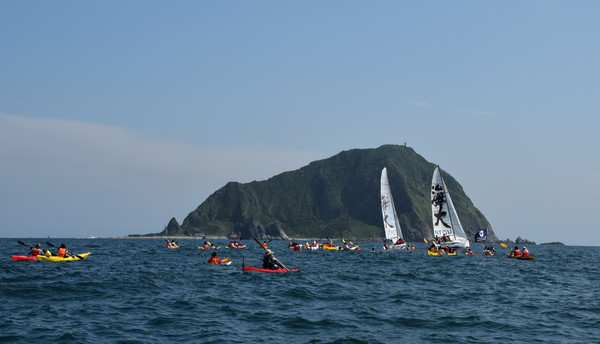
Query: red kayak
x,y
251,268
18,258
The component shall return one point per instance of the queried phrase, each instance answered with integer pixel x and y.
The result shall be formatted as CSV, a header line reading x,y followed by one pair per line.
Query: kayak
x,y
520,258
438,253
331,247
251,268
63,259
173,246
19,258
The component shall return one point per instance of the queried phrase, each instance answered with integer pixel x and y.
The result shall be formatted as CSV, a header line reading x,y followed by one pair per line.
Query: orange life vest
x,y
61,252
517,253
36,252
214,260
525,254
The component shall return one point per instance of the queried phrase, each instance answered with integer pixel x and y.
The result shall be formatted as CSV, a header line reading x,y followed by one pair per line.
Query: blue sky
x,y
117,115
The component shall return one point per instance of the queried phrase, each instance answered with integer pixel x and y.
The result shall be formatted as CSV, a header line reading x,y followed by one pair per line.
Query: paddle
x,y
427,242
225,260
503,245
24,244
274,258
52,245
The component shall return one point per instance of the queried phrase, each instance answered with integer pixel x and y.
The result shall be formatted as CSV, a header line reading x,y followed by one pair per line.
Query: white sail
x,y
444,216
391,225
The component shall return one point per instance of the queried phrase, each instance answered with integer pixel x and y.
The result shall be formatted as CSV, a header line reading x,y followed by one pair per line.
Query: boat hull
x,y
20,258
396,247
456,244
281,270
520,258
63,259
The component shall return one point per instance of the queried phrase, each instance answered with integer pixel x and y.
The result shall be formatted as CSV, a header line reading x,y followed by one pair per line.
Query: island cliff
x,y
337,197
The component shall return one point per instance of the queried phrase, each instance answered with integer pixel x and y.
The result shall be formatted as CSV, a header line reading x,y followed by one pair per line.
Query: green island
x,y
337,197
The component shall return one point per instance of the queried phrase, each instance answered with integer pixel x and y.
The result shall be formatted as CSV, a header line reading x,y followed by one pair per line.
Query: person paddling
x,y
269,261
62,251
36,251
525,253
214,259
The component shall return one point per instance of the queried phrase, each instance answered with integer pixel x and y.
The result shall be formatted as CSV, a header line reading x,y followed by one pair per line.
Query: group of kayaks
x,y
62,256
44,258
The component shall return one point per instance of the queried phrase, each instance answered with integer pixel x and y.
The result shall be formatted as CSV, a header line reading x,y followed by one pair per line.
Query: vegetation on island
x,y
337,197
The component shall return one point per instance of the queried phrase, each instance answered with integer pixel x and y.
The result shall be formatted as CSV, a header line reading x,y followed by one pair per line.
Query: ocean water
x,y
138,291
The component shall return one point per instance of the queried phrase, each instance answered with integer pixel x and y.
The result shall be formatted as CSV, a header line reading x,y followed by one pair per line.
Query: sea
x,y
139,291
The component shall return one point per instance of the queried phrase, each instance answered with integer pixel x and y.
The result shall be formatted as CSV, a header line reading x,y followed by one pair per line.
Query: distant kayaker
x,y
62,251
525,253
214,259
269,261
517,252
373,250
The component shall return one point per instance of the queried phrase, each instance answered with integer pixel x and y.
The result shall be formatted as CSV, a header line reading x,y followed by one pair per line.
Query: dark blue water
x,y
138,291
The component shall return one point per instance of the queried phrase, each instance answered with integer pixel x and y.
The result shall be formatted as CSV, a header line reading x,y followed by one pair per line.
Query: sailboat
x,y
391,225
445,219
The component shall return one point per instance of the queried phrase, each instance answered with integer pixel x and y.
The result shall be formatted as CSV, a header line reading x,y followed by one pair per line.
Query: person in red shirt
x,y
36,251
214,259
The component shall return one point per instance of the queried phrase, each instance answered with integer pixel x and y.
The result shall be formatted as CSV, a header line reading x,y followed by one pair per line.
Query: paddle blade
x,y
22,243
50,244
427,242
503,244
225,260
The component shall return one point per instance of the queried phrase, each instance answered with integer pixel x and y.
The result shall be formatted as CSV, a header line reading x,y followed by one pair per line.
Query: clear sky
x,y
117,115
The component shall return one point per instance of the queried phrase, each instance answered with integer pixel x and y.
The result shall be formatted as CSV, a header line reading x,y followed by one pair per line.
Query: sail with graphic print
x,y
481,236
391,225
446,224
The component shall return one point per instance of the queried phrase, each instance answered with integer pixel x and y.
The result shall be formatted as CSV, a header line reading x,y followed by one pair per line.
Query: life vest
x,y
36,252
214,260
517,253
205,246
525,254
61,252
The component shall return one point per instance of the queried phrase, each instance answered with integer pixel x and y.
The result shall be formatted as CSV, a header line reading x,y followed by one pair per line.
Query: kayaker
x,y
214,259
525,253
62,251
517,252
432,248
269,261
345,246
36,251
469,251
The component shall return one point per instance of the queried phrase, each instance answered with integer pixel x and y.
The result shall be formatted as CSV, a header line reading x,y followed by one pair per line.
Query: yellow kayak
x,y
331,247
63,259
438,253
